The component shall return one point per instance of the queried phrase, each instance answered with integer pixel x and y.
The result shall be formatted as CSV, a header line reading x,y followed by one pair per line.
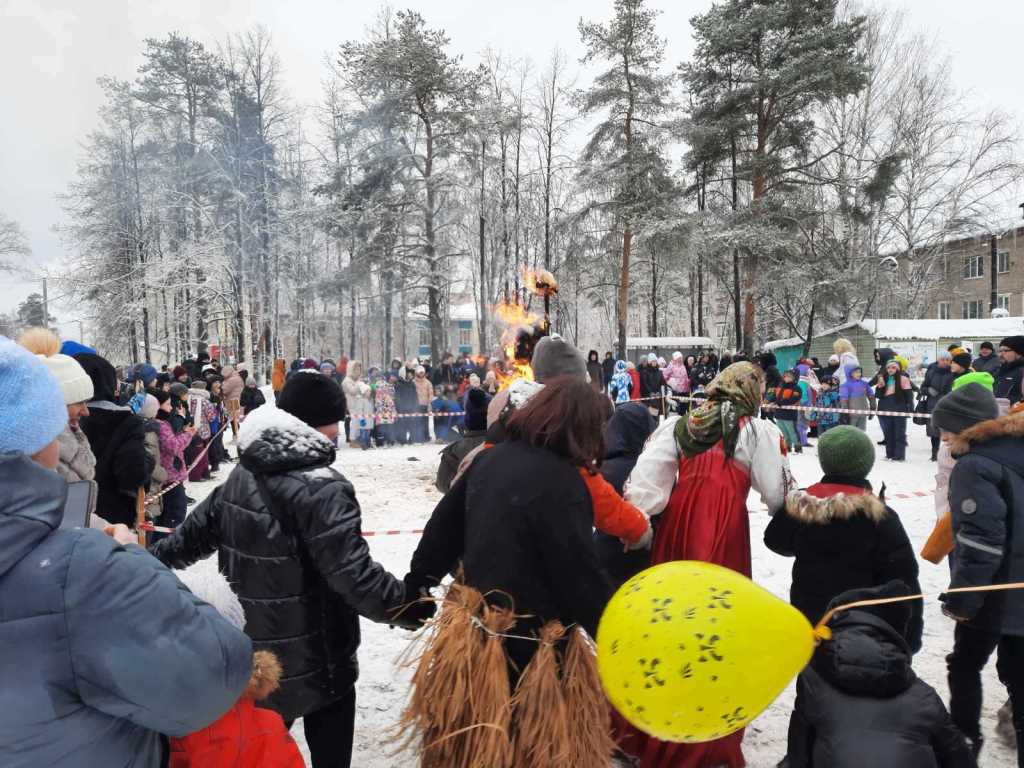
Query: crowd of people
x,y
215,670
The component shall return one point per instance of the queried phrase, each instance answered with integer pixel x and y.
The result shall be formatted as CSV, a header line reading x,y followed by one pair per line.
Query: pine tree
x,y
760,69
623,151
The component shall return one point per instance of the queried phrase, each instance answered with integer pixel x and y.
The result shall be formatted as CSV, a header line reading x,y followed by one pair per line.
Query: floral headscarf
x,y
734,394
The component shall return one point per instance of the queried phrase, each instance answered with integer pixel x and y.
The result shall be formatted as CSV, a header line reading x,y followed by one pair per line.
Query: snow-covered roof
x,y
927,330
647,342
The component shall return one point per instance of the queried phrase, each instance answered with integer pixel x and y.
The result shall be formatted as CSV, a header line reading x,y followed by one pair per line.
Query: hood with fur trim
x,y
806,508
266,676
1011,425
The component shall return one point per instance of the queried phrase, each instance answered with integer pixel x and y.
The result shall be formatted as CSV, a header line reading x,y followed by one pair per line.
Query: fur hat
x,y
553,356
212,587
963,408
1014,343
845,451
313,398
32,411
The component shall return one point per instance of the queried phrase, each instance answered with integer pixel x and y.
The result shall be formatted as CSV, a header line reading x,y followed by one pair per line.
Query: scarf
x,y
733,395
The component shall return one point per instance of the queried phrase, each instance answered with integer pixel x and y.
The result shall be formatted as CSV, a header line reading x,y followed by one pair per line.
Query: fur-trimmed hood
x,y
1011,425
807,508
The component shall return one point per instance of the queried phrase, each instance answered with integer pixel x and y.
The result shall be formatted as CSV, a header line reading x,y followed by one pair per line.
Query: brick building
x,y
964,277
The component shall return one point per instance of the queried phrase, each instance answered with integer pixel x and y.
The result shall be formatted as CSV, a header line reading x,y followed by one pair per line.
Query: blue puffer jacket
x,y
103,649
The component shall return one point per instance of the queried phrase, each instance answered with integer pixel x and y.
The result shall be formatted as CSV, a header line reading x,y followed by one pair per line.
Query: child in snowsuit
x,y
859,703
828,397
788,393
621,384
842,535
246,736
808,383
856,394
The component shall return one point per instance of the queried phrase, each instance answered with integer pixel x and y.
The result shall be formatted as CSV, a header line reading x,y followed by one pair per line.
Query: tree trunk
x,y
654,294
737,296
623,303
435,278
810,331
482,330
700,295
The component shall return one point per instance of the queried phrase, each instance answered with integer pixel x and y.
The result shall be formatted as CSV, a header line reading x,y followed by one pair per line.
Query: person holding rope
x,y
986,501
287,530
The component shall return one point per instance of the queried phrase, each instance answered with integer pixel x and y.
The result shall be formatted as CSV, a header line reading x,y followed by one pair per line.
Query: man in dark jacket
x,y
103,649
859,703
117,438
843,536
987,360
608,368
1009,375
986,499
288,530
624,439
445,374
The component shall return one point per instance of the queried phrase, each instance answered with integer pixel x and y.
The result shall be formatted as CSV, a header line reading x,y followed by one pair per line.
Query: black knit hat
x,y
964,407
476,410
313,398
987,345
1015,343
963,359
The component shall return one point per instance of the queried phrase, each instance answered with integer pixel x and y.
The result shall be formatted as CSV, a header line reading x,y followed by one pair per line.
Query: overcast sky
x,y
52,52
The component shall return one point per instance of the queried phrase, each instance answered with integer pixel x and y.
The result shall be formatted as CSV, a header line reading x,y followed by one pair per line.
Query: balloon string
x,y
823,632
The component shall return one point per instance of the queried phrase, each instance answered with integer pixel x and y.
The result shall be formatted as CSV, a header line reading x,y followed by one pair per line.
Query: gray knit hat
x,y
964,407
554,356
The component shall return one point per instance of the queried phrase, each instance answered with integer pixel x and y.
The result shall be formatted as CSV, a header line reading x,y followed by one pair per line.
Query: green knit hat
x,y
974,377
845,451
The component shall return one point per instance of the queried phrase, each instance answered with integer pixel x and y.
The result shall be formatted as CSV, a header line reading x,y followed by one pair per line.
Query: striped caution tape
x,y
768,406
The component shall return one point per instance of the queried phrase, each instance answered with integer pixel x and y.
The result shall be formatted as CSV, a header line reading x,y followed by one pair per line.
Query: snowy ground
x,y
395,489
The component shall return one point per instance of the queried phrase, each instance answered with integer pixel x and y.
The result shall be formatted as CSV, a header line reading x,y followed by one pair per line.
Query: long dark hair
x,y
567,417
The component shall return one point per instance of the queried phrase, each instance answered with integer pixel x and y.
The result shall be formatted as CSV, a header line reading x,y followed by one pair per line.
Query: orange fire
x,y
540,282
515,318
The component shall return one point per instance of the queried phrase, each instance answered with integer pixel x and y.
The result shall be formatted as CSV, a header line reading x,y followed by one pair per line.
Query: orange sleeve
x,y
613,514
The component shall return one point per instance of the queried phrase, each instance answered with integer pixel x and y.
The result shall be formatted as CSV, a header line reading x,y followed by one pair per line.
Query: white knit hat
x,y
75,384
150,407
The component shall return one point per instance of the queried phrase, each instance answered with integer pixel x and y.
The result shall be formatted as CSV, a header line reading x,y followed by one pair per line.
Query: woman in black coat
x,y
520,520
938,381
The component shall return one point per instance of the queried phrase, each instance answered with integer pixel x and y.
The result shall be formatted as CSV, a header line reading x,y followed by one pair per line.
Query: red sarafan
x,y
246,736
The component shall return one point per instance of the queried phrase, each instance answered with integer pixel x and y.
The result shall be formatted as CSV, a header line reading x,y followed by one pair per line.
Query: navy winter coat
x,y
860,705
624,437
103,649
287,530
986,499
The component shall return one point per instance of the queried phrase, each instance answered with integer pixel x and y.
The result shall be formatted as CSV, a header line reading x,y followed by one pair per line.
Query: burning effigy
x,y
522,328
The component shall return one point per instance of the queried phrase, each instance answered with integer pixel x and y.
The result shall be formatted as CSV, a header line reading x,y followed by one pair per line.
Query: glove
x,y
871,416
419,607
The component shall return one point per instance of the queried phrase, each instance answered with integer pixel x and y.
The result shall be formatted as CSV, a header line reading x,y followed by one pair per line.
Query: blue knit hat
x,y
72,348
32,411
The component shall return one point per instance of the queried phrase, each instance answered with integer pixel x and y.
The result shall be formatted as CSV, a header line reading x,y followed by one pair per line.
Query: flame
x,y
516,318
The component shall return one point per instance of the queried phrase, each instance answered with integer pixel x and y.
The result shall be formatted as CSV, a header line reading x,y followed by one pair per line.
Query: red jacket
x,y
634,376
246,736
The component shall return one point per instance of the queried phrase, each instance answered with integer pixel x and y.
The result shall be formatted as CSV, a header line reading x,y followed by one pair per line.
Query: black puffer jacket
x,y
287,529
117,438
859,703
843,537
624,437
520,521
986,499
651,380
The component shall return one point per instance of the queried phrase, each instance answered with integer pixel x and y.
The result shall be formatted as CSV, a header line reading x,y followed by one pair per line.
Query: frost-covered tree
x,y
624,150
13,245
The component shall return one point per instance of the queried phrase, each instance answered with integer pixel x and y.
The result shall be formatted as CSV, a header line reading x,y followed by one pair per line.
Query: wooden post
x,y
140,516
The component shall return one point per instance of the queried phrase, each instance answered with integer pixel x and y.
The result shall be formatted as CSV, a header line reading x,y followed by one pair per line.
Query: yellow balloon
x,y
690,652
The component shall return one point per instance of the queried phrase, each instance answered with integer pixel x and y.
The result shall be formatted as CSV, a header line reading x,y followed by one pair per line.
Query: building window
x,y
972,310
1003,301
423,334
465,336
974,266
943,310
1003,262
